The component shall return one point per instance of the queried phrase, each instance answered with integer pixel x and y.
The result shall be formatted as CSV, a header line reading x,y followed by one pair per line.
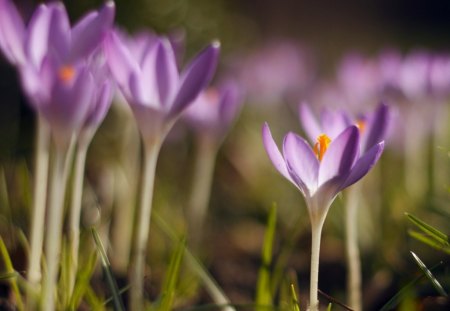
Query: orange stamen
x,y
66,73
321,146
361,124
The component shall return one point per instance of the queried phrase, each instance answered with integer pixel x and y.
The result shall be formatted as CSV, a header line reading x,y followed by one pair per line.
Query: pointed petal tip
x,y
215,44
110,4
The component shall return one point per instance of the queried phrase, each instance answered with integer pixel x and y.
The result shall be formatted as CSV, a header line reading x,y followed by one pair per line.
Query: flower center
x,y
321,146
66,73
361,125
212,95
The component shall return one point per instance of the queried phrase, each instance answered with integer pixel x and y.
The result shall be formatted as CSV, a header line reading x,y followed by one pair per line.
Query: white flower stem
x,y
54,225
316,234
143,225
39,200
201,188
353,256
75,210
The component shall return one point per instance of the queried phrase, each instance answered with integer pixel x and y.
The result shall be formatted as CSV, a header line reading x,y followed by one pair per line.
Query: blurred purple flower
x,y
274,72
320,173
49,30
55,63
152,85
373,127
213,111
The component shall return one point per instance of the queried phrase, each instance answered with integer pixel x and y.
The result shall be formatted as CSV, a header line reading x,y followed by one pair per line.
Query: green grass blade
x,y
428,229
295,304
429,275
426,239
263,289
8,275
170,281
330,305
10,269
82,283
94,302
395,300
117,301
216,293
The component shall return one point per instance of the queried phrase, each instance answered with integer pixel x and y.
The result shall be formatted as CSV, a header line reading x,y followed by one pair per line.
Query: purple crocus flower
x,y
152,85
213,111
320,173
49,29
373,127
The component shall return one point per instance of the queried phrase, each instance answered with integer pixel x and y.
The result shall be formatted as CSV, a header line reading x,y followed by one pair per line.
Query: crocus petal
x,y
377,127
197,75
120,61
309,122
59,32
12,32
340,156
148,76
301,160
333,122
274,153
139,92
88,33
71,103
36,44
101,105
364,164
229,104
166,72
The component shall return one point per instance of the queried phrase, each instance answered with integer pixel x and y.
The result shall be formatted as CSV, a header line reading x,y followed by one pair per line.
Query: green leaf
x,y
82,282
170,281
8,275
404,292
10,269
263,289
117,301
216,293
294,300
429,275
428,229
426,239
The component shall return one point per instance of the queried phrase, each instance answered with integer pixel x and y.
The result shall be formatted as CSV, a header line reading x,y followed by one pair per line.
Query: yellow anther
x,y
361,124
66,73
321,146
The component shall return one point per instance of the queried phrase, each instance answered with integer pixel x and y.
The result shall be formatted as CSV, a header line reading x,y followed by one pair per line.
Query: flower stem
x,y
353,257
143,225
54,225
316,234
39,199
201,188
75,211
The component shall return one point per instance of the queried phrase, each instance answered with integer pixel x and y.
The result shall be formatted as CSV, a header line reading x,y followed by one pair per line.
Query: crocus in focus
x,y
157,94
373,129
320,173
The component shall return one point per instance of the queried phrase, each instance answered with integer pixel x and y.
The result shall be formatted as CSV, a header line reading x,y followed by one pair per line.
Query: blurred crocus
x,y
49,30
157,94
213,111
210,116
275,71
152,85
320,173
